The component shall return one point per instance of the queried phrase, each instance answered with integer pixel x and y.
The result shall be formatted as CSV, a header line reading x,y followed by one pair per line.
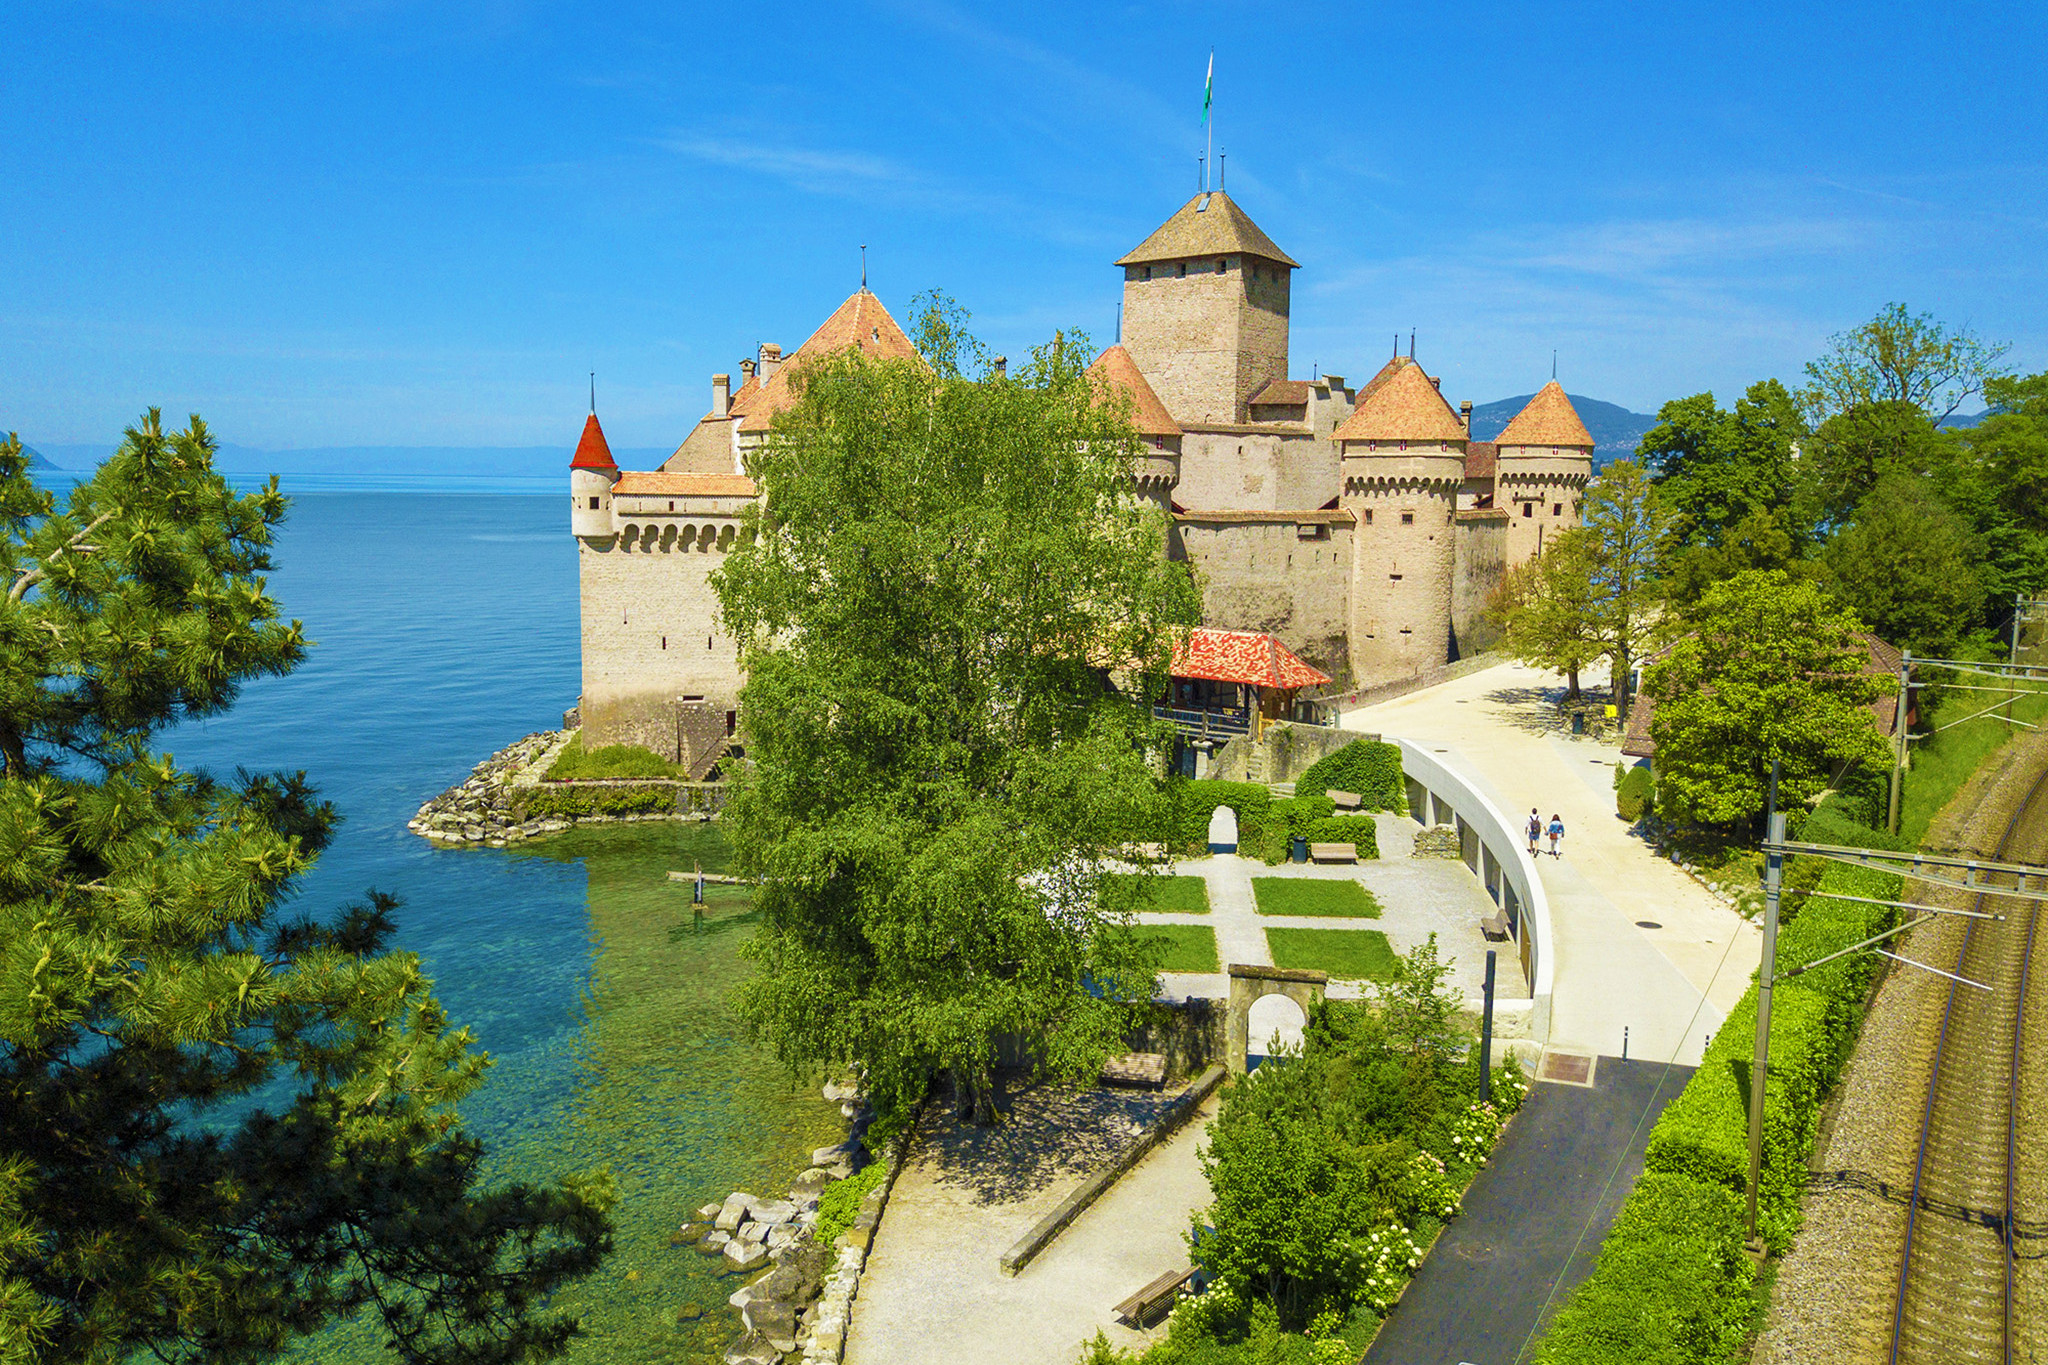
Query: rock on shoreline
x,y
487,807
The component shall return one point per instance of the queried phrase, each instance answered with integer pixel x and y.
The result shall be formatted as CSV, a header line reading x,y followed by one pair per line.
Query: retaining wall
x,y
1491,845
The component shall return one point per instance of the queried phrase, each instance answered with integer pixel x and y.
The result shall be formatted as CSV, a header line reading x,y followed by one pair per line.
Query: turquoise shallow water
x,y
446,628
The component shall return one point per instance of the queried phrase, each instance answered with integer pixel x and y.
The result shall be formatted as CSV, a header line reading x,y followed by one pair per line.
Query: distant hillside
x,y
36,459
1615,430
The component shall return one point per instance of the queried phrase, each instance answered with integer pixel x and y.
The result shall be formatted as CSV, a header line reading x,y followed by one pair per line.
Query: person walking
x,y
1535,831
1556,834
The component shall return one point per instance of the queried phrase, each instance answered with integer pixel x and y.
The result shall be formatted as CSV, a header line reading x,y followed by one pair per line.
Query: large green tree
x,y
1909,567
1627,522
1771,668
944,576
1717,469
1998,478
1900,357
1551,608
222,1125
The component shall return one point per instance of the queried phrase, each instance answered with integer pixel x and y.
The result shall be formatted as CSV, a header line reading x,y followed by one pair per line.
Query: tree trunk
x,y
1572,692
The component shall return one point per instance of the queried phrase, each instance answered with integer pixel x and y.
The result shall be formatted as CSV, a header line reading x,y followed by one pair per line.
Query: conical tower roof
x,y
1400,404
1549,419
1115,370
1210,224
591,451
860,323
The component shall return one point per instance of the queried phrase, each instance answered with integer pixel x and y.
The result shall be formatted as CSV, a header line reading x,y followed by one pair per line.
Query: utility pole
x,y
1760,1060
1486,1037
2012,656
1891,822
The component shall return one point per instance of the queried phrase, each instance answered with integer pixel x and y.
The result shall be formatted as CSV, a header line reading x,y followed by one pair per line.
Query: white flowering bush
x,y
1382,1261
1427,1187
1510,1085
1219,1310
1473,1133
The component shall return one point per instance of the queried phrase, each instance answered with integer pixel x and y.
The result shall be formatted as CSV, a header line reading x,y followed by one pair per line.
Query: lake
x,y
446,627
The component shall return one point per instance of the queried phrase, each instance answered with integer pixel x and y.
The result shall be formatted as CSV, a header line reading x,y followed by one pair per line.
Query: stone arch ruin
x,y
1250,983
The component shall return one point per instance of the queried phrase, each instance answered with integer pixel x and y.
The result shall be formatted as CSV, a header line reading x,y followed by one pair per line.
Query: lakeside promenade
x,y
1670,985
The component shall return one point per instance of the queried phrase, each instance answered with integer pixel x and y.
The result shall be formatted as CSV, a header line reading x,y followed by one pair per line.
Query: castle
x,y
1363,528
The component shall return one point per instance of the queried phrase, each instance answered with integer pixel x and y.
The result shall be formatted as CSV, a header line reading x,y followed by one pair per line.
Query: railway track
x,y
1975,1185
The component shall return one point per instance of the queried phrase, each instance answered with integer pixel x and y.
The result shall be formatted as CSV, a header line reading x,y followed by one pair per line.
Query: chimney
x,y
771,356
1465,415
1002,366
1436,381
721,395
746,369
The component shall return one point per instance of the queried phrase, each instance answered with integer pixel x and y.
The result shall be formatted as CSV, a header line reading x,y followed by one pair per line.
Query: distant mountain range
x,y
36,458
493,461
1615,430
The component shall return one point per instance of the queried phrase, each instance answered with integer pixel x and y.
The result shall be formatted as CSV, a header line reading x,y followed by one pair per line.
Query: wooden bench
x,y
1333,853
1344,800
1495,925
1144,1069
1151,1302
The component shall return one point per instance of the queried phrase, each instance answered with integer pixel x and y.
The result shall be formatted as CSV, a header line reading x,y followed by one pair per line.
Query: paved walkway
x,y
1533,1220
932,1295
1639,945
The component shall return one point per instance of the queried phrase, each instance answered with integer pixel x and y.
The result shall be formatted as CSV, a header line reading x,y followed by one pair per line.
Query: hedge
x,y
1195,801
1348,829
1672,1284
554,801
1636,796
1366,766
1672,1287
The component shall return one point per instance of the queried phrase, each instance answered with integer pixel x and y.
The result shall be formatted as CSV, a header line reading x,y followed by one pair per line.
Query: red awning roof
x,y
1241,656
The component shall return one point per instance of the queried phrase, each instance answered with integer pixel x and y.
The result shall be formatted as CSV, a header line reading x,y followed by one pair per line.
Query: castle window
x,y
1407,518
1393,578
732,723
1221,266
671,505
1404,445
1528,509
593,504
1183,269
1557,509
1148,272
1368,516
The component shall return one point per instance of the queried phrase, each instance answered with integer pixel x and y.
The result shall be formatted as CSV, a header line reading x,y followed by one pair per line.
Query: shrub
x,y
1673,1286
839,1205
612,760
1348,829
1635,796
1196,801
1366,766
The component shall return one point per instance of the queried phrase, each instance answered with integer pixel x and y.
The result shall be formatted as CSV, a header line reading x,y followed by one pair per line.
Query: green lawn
x,y
1166,895
1942,764
1348,954
1303,896
1189,947
613,760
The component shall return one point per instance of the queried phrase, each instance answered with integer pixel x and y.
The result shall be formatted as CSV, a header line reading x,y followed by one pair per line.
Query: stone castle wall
x,y
1542,494
1286,574
1206,339
1480,567
1403,569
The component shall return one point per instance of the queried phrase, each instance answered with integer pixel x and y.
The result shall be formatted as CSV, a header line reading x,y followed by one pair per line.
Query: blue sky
x,y
371,222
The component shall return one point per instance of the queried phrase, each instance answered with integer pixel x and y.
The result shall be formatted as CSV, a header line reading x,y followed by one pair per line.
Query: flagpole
x,y
1208,124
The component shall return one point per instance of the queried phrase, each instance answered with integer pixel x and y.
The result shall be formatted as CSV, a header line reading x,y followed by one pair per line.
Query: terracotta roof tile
x,y
1114,369
657,484
1220,229
1241,656
744,396
1479,460
1402,405
591,451
861,322
1291,392
1548,420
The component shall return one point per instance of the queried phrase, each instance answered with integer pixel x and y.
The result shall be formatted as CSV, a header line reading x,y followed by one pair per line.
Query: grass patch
x,y
1307,896
1941,765
1349,954
613,760
1189,947
1166,895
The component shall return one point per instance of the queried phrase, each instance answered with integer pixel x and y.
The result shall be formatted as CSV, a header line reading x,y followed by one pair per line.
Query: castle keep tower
x,y
591,475
1402,460
1205,310
1543,462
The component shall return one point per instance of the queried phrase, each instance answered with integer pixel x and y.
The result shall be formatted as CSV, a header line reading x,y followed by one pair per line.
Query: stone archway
x,y
1249,983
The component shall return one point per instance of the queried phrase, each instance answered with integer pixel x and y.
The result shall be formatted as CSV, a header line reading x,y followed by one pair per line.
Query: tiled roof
x,y
1479,460
658,484
1290,392
1241,656
1884,662
1114,369
1402,405
1220,229
743,397
591,451
1548,420
861,322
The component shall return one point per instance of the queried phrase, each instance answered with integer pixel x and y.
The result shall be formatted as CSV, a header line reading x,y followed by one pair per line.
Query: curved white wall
x,y
1492,844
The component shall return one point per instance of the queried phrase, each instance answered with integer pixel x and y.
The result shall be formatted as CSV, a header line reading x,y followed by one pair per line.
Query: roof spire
x,y
593,393
1553,362
863,265
1411,343
1221,158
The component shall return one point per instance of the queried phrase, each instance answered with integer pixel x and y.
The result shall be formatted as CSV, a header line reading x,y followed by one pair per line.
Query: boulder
x,y
752,1234
841,1090
752,1349
809,1186
786,1282
745,1255
782,1234
733,1211
773,1319
711,1243
772,1211
836,1154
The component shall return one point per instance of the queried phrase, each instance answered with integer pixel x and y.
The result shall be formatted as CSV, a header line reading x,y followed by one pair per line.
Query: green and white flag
x,y
1208,86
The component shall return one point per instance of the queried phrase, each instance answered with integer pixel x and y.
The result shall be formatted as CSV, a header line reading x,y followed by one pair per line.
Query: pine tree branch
x,y
77,544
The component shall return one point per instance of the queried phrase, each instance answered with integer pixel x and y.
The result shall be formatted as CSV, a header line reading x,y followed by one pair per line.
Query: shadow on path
x,y
1533,1220
1048,1132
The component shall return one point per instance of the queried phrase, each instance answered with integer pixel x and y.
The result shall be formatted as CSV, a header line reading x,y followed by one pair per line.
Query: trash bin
x,y
1578,722
1300,850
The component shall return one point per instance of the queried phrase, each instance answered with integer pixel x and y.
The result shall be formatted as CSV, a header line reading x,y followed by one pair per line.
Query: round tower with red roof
x,y
1544,463
592,472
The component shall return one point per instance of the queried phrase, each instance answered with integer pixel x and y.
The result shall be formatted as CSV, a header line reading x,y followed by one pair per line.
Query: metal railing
x,y
1203,724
